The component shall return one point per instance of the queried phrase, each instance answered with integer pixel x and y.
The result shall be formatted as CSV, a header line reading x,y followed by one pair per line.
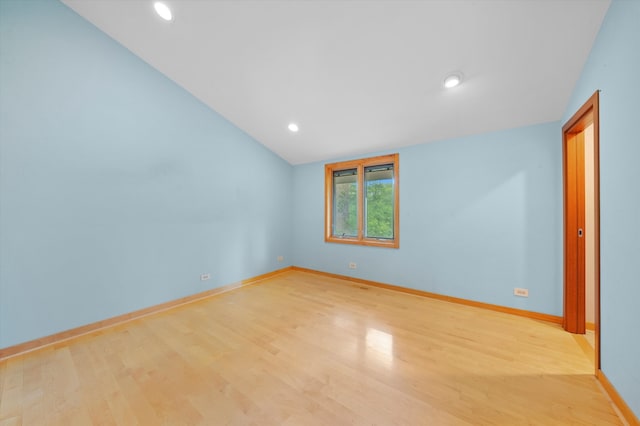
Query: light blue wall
x,y
118,188
614,68
478,216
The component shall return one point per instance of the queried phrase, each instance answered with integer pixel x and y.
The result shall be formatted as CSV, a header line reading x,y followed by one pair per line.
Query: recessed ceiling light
x,y
163,10
293,127
452,80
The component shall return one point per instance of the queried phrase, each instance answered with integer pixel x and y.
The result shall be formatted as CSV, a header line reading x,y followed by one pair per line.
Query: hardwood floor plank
x,y
307,349
11,384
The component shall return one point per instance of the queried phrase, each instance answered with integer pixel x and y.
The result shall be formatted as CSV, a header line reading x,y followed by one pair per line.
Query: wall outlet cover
x,y
522,292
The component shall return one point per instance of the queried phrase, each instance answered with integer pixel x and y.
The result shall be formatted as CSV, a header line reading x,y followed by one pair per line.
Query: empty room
x,y
319,212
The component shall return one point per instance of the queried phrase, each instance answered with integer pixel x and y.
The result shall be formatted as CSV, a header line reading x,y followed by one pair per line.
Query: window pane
x,y
378,210
345,203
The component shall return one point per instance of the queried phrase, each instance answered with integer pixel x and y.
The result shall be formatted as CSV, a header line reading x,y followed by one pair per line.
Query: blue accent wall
x,y
118,188
479,216
614,67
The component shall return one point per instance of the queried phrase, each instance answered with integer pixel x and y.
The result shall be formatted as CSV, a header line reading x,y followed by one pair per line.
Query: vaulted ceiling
x,y
362,76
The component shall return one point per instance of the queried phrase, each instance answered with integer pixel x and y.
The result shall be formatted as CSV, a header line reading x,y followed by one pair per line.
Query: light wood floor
x,y
302,349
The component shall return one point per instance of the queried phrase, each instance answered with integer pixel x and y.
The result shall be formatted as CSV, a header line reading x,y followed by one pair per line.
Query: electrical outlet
x,y
522,292
352,265
204,277
280,258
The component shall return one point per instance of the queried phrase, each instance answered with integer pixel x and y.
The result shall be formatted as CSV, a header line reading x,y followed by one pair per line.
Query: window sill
x,y
365,242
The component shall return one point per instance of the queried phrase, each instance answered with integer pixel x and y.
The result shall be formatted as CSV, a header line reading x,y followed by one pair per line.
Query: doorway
x,y
580,153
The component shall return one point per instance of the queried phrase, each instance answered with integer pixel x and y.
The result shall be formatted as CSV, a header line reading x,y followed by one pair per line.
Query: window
x,y
361,202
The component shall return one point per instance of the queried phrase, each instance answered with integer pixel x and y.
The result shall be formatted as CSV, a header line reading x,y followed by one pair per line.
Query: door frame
x,y
574,312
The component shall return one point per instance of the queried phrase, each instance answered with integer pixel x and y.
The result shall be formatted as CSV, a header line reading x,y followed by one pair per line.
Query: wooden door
x,y
573,152
574,318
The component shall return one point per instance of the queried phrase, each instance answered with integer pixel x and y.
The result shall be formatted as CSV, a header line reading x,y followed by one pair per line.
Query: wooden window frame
x,y
360,165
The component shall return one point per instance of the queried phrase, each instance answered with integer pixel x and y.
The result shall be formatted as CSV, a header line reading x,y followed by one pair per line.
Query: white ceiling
x,y
363,76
